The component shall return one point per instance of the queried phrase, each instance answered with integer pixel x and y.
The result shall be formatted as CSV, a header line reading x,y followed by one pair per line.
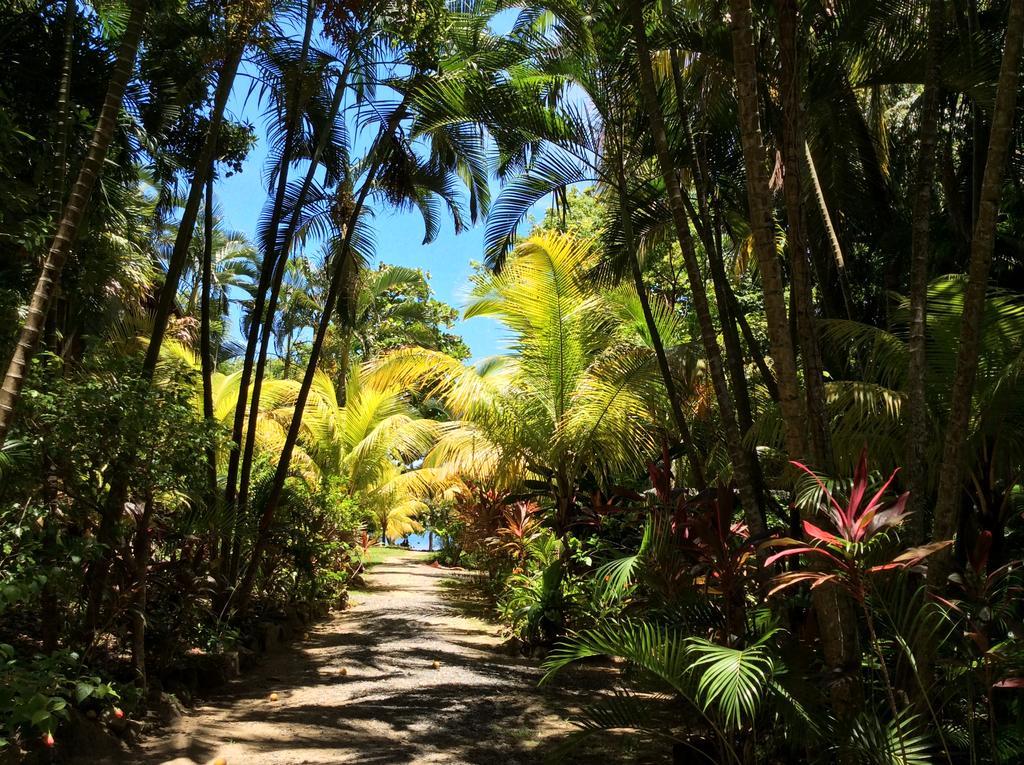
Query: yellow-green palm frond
x,y
465,390
224,389
613,412
465,451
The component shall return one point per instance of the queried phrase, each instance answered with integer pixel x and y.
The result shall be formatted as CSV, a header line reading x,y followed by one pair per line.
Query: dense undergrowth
x,y
785,235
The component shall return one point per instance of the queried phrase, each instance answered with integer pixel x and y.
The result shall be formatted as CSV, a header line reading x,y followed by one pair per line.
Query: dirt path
x,y
391,705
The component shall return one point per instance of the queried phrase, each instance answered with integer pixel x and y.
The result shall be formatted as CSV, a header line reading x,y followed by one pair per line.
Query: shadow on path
x,y
364,689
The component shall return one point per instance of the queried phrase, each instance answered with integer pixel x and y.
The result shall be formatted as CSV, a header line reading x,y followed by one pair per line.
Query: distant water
x,y
420,541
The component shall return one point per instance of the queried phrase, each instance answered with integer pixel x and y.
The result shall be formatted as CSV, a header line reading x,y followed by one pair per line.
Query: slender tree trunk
x,y
60,153
343,256
142,551
834,614
186,227
830,231
205,340
914,475
267,271
982,245
793,142
762,227
659,347
71,220
707,229
281,256
742,468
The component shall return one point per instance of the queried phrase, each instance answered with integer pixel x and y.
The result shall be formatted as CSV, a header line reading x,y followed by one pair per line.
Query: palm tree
x,y
71,220
982,244
396,172
917,422
361,442
576,397
741,458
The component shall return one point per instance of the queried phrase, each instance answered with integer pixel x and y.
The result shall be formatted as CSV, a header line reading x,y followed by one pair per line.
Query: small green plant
x,y
36,693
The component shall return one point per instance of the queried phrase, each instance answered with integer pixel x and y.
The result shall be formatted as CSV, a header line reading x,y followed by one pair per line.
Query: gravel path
x,y
365,688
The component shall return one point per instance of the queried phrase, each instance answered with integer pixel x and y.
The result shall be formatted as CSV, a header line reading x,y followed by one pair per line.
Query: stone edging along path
x,y
403,676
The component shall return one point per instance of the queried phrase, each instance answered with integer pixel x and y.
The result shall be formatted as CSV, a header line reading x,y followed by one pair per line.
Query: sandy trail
x,y
392,705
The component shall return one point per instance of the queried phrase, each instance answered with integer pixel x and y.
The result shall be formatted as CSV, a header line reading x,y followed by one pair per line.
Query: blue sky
x,y
241,197
399,242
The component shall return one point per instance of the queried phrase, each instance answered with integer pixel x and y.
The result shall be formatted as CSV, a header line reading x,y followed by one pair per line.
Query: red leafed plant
x,y
848,556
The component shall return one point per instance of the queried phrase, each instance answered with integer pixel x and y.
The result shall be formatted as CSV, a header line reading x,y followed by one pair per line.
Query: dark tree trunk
x,y
205,341
838,636
914,475
743,471
267,271
142,552
186,227
60,152
71,219
762,228
947,508
793,142
342,257
281,255
659,347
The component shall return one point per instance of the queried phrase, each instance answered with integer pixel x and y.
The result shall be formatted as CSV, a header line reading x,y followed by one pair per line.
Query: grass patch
x,y
379,554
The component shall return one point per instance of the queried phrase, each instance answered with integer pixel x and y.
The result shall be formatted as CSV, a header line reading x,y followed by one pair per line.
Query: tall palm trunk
x,y
762,227
205,339
947,508
60,151
292,114
704,224
917,410
343,256
186,227
834,614
659,347
71,219
793,140
141,553
742,468
281,256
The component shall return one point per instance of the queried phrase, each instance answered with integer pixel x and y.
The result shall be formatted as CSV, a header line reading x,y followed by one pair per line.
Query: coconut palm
x,y
578,395
71,220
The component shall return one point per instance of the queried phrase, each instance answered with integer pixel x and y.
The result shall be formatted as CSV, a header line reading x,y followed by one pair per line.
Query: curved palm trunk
x,y
275,289
205,340
186,227
659,347
947,508
267,271
917,411
762,228
71,220
753,511
284,461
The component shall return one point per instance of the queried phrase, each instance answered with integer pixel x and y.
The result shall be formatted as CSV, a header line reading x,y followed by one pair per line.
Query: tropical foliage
x,y
781,261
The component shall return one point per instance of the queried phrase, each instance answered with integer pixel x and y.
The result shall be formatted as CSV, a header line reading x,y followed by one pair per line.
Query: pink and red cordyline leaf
x,y
800,551
813,531
857,492
1010,682
784,581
